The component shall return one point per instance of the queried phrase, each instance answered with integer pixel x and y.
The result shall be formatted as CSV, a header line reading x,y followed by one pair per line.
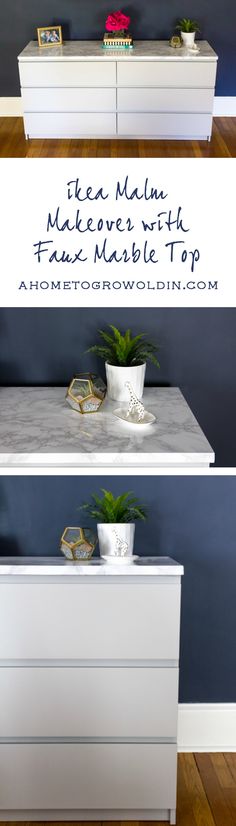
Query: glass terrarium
x,y
86,392
78,543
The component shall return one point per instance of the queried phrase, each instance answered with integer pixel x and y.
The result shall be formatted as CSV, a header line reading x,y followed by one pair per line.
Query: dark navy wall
x,y
198,353
85,20
192,519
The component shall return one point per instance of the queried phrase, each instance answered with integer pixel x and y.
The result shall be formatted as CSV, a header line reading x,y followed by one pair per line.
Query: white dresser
x,y
78,90
89,689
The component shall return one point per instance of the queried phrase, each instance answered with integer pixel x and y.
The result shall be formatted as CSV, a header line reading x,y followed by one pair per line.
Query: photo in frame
x,y
49,36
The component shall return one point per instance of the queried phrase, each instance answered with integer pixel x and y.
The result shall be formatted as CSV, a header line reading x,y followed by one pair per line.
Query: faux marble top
x,y
92,50
37,426
57,566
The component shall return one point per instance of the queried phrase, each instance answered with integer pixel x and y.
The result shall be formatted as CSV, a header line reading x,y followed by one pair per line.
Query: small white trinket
x,y
136,408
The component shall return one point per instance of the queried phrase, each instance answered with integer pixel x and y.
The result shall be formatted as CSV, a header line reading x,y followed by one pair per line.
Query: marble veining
x,y
46,566
35,421
38,426
92,50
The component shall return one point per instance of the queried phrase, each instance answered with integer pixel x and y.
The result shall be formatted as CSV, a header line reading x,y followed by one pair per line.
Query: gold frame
x,y
72,546
89,378
49,29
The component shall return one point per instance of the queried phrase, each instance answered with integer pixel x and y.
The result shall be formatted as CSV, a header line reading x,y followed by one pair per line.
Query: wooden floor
x,y
206,791
14,145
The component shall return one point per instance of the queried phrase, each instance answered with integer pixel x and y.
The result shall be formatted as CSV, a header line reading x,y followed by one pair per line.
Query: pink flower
x,y
117,21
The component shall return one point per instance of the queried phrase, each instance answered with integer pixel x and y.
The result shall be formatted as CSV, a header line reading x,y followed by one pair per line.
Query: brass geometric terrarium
x,y
78,543
86,392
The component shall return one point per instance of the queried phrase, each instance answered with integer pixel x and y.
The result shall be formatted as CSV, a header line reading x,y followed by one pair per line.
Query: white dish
x,y
121,413
120,560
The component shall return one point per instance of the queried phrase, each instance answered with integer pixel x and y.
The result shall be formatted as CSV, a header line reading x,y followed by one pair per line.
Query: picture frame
x,y
49,36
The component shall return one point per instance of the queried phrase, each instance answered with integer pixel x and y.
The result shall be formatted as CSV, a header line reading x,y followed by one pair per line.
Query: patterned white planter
x,y
117,378
188,39
107,534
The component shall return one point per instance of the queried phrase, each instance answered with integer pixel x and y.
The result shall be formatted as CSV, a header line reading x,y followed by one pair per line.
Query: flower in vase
x,y
117,21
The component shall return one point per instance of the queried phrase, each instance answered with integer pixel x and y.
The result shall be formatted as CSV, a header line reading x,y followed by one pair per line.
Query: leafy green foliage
x,y
111,509
187,25
125,350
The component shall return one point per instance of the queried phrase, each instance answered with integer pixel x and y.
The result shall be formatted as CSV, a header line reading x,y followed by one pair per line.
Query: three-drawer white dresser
x,y
89,689
154,91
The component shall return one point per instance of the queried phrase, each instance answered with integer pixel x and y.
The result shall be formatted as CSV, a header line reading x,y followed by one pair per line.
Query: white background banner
x,y
121,232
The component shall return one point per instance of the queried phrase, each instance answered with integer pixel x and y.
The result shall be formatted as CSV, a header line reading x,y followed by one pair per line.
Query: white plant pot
x,y
117,378
107,537
188,39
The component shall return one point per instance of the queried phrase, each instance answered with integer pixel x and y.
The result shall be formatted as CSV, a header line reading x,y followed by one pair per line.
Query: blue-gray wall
x,y
85,20
198,353
192,519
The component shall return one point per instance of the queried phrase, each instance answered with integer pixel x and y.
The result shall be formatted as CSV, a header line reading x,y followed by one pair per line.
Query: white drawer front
x,y
88,702
75,776
69,125
174,74
165,100
69,100
62,73
165,125
95,621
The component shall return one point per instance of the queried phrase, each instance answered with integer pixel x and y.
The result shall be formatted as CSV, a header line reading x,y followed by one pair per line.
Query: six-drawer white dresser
x,y
89,657
79,90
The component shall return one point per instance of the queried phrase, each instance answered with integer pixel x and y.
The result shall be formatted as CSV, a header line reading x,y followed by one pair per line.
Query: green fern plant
x,y
187,25
125,350
111,509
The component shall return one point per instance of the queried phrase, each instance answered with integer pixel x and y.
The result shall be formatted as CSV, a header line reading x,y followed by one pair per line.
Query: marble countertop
x,y
92,49
57,566
38,427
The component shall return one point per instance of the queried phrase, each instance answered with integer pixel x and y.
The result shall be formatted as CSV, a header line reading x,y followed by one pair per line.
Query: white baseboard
x,y
12,107
207,727
224,107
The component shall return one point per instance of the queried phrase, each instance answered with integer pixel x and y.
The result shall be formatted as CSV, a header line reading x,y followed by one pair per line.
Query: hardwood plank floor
x,y
14,145
206,793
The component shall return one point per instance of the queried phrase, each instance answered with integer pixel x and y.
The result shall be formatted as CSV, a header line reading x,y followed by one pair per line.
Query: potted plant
x,y
115,517
125,360
188,29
